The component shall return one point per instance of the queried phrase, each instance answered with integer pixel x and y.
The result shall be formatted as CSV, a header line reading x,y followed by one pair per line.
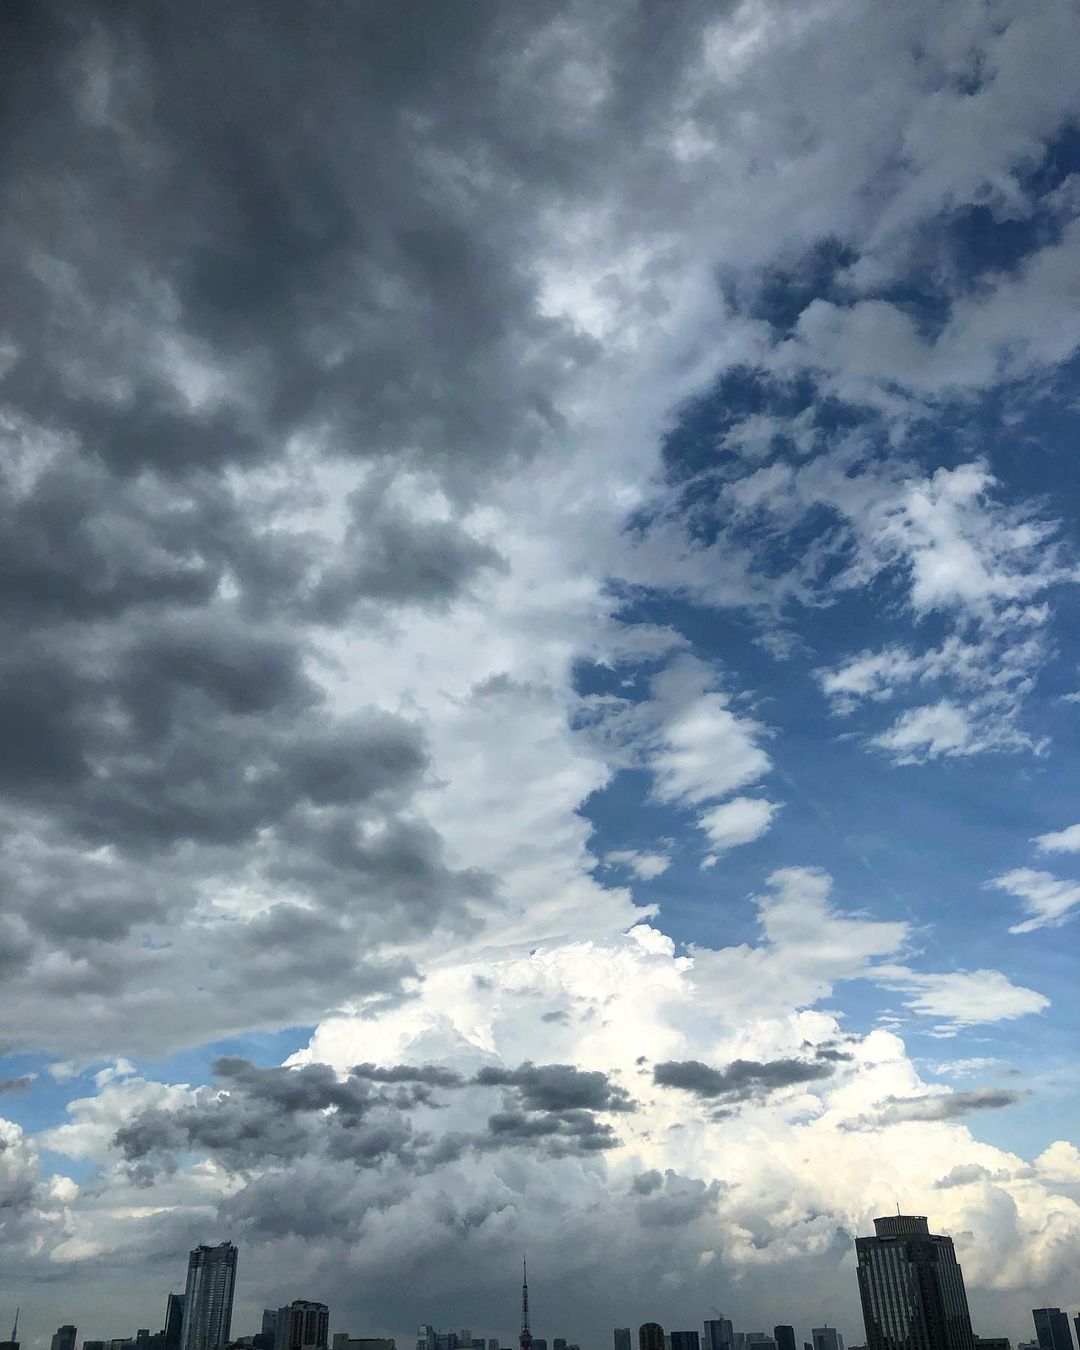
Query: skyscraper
x,y
826,1338
1052,1329
302,1324
784,1337
650,1336
64,1338
685,1340
174,1321
719,1334
912,1288
622,1338
208,1298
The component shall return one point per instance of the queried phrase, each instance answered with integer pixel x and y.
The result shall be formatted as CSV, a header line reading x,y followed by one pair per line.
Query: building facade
x,y
1052,1329
208,1297
685,1340
826,1338
302,1324
912,1288
719,1334
784,1337
64,1338
650,1336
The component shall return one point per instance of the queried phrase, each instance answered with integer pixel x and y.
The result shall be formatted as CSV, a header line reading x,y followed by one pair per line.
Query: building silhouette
x,y
622,1337
1052,1329
912,1288
174,1321
302,1324
64,1338
784,1337
208,1297
719,1334
827,1338
685,1340
650,1336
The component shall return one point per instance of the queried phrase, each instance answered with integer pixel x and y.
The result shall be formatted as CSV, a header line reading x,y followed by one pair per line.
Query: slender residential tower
x,y
525,1340
208,1298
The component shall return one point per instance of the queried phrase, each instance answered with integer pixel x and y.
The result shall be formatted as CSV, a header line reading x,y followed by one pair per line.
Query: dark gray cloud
x,y
19,1084
939,1106
244,257
740,1080
261,1117
558,1087
963,1174
671,1200
433,1075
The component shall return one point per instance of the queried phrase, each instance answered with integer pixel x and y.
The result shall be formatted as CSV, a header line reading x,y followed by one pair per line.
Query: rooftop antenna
x,y
15,1326
525,1340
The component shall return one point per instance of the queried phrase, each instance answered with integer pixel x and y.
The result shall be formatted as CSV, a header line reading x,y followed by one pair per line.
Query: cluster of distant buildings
x,y
913,1298
201,1318
911,1288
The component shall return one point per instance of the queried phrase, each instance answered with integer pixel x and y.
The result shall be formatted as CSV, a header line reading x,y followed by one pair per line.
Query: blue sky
x,y
539,668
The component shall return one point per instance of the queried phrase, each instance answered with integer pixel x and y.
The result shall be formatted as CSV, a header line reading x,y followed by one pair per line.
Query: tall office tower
x,y
1052,1329
1076,1324
301,1325
784,1337
174,1321
559,1343
828,1338
650,1336
719,1334
622,1339
685,1340
208,1298
64,1338
912,1288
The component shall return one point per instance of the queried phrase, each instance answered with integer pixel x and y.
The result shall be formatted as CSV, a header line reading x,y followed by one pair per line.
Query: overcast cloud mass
x,y
538,656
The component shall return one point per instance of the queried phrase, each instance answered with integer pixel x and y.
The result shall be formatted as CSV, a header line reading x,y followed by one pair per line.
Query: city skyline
x,y
539,662
911,1290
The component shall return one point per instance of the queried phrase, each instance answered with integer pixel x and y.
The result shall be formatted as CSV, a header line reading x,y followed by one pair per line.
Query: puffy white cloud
x,y
738,821
1059,841
964,997
644,865
704,748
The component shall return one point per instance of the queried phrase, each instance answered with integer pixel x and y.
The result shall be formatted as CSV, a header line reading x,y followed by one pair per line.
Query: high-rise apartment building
x,y
719,1334
1052,1329
912,1288
208,1298
303,1325
64,1338
650,1336
784,1337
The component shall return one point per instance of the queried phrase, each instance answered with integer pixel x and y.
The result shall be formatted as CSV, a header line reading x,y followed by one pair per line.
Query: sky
x,y
538,659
